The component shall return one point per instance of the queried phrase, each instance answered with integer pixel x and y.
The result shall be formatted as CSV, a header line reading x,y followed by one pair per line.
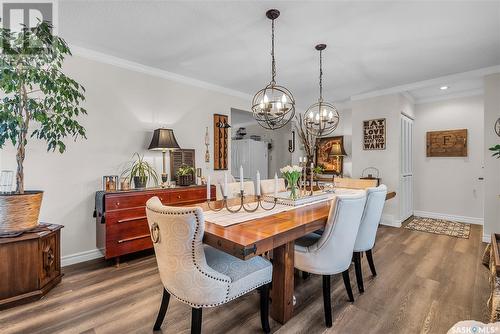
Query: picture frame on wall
x,y
325,149
374,134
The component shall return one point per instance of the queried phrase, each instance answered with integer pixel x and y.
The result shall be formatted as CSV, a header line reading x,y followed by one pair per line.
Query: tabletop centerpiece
x,y
292,174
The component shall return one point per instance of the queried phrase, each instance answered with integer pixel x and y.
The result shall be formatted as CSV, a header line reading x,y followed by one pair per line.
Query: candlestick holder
x,y
242,204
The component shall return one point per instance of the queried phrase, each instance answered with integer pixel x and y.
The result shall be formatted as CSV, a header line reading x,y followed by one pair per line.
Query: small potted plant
x,y
496,151
185,175
140,172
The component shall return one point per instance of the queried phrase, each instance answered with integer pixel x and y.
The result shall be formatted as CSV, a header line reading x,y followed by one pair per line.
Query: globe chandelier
x,y
321,118
273,106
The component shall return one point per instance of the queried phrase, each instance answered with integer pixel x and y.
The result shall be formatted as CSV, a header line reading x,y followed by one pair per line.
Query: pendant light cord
x,y
321,76
273,61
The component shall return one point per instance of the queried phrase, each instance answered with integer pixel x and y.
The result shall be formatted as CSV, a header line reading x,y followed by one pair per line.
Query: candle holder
x,y
242,204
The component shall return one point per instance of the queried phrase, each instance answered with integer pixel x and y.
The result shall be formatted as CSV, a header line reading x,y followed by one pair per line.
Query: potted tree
x,y
35,91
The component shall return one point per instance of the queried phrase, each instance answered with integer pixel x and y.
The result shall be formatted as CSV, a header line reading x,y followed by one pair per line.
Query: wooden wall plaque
x,y
221,133
447,143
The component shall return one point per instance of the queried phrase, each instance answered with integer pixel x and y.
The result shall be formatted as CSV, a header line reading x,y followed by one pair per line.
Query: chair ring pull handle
x,y
155,233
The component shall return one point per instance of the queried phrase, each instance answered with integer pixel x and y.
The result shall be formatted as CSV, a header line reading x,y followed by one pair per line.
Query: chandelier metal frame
x,y
321,118
275,113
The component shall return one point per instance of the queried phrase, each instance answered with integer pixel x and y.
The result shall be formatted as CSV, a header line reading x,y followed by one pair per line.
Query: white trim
x,y
81,257
388,220
409,97
460,219
457,95
153,71
428,83
486,238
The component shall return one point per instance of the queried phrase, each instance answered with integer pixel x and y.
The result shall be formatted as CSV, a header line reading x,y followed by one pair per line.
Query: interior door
x,y
406,165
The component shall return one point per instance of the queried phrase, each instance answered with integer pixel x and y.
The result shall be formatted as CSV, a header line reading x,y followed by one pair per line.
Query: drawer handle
x,y
131,219
178,196
134,238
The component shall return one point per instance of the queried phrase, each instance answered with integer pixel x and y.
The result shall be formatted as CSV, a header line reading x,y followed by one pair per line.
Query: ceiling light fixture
x,y
273,106
321,118
443,87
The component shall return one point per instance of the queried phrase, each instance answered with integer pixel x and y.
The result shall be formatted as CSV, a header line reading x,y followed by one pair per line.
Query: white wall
x,y
491,165
386,161
123,107
449,186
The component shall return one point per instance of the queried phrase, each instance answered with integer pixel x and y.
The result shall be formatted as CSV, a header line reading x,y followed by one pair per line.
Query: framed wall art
x,y
374,134
327,154
447,143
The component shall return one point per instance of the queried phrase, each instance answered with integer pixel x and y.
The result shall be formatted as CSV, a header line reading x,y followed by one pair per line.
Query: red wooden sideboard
x,y
123,227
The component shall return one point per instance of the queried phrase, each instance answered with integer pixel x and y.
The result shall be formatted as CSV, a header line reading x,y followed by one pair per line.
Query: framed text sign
x,y
447,143
374,134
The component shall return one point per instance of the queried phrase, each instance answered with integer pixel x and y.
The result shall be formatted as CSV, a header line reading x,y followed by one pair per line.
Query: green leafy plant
x,y
141,169
496,151
37,91
185,170
319,169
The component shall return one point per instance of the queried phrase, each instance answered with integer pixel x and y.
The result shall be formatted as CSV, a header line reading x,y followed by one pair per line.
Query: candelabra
x,y
242,204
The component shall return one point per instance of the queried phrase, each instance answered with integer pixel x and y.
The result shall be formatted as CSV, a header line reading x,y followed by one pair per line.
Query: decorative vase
x,y
19,212
292,187
140,181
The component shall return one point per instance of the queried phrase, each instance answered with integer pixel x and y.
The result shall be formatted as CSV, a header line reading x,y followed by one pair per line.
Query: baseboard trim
x,y
388,220
81,257
460,219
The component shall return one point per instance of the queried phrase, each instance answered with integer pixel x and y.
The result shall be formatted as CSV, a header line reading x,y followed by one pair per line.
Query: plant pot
x,y
140,181
185,180
19,212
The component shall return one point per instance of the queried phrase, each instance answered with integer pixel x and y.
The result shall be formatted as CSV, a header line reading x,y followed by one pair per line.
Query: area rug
x,y
439,226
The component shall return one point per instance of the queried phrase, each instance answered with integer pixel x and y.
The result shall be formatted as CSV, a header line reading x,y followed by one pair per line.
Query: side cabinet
x,y
125,230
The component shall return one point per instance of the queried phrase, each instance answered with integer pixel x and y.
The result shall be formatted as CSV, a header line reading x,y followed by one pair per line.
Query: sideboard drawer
x,y
133,200
127,230
125,216
180,197
128,245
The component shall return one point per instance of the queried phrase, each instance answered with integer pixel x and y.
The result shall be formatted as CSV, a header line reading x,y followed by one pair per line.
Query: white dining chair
x,y
331,253
365,240
267,186
233,189
197,274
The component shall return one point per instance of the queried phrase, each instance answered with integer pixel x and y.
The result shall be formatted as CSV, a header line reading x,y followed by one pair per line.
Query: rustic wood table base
x,y
282,291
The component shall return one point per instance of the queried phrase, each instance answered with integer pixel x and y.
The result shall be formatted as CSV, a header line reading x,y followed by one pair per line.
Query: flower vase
x,y
293,190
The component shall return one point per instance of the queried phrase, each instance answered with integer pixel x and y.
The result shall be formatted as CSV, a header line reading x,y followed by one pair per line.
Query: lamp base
x,y
164,178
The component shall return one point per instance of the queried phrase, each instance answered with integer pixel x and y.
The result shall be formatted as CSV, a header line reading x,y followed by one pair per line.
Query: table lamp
x,y
163,140
337,151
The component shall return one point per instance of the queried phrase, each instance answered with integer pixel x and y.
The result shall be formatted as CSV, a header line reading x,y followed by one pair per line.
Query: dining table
x,y
277,233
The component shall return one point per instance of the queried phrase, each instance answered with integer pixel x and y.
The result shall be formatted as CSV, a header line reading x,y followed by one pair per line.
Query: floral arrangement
x,y
292,175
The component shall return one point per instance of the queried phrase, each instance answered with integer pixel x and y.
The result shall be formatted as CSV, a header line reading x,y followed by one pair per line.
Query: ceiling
x,y
371,45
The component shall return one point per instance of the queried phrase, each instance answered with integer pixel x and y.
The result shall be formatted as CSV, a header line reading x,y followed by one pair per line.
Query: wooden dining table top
x,y
254,237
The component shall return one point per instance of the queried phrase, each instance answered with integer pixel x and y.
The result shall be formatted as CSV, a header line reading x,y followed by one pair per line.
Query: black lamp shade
x,y
163,139
338,150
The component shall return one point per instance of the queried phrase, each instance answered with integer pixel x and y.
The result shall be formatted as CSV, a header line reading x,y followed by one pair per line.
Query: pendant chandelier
x,y
321,118
273,106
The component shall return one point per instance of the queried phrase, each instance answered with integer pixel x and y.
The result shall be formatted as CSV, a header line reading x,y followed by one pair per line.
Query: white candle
x,y
208,187
241,178
300,159
224,191
258,183
275,184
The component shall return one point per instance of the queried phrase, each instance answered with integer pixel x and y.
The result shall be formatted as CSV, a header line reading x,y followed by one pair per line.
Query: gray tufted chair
x,y
365,240
331,252
197,274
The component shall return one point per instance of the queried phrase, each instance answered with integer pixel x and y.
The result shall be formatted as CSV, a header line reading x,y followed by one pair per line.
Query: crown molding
x,y
457,95
153,71
427,83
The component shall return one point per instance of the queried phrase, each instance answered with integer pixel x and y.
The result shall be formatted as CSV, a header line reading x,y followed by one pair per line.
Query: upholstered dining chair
x,y
267,186
197,274
365,240
331,252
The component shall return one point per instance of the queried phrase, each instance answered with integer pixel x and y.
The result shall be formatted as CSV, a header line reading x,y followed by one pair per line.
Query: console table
x,y
30,265
122,227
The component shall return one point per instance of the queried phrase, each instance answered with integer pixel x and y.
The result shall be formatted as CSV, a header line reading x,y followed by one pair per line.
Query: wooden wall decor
x,y
221,133
374,135
447,143
180,157
332,164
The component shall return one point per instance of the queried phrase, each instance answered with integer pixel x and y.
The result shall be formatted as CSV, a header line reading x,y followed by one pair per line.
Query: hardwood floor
x,y
425,284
